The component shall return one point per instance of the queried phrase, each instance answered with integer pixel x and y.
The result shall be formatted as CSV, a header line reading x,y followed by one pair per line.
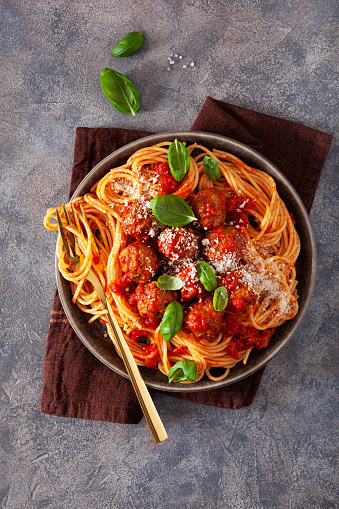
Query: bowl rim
x,y
271,169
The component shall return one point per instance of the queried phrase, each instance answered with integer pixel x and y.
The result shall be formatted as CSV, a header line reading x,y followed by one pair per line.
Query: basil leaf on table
x,y
182,371
166,282
171,322
206,276
119,91
129,44
172,210
211,168
178,159
220,298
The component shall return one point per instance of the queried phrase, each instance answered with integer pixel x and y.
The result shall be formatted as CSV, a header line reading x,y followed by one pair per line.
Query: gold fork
x,y
150,412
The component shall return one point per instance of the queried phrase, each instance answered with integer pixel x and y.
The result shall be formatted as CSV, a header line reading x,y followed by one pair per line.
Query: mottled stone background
x,y
277,57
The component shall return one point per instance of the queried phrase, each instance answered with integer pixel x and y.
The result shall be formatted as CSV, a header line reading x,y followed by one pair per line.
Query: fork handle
x,y
148,408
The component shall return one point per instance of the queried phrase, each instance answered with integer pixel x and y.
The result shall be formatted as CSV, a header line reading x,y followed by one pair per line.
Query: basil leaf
x,y
119,91
211,168
166,282
206,276
129,44
220,298
178,159
171,322
182,371
172,210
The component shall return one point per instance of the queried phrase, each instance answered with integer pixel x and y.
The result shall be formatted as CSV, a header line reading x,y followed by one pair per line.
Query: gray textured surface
x,y
277,57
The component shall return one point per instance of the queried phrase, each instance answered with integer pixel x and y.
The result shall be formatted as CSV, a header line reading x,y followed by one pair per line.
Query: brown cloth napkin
x,y
77,384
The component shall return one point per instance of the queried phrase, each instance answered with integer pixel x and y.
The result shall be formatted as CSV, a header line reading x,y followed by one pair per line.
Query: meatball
x,y
202,319
178,243
137,219
192,286
209,206
152,301
221,241
139,261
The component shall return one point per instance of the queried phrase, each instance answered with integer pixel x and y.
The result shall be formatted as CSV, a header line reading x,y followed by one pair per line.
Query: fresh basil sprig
x,y
178,159
171,322
220,298
119,91
166,282
172,210
129,44
206,276
211,168
182,371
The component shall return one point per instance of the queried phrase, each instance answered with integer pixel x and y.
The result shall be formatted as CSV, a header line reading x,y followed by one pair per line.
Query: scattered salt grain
x,y
174,59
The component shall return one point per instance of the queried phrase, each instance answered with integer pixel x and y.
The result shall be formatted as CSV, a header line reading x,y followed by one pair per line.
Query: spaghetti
x,y
260,276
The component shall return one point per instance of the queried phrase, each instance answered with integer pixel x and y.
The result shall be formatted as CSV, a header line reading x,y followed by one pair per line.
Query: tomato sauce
x,y
124,287
137,334
235,210
178,350
151,351
226,243
209,213
199,323
151,323
192,286
229,280
168,184
244,337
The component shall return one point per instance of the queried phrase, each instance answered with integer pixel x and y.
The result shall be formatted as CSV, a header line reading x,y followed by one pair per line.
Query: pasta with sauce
x,y
243,231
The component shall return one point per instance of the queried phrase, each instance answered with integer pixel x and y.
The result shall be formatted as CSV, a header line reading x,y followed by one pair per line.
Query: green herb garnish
x,y
129,44
206,276
171,322
178,160
119,91
172,210
211,168
220,298
166,282
182,371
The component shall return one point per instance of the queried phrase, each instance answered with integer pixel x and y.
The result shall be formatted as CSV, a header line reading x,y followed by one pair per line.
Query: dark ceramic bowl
x,y
103,349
